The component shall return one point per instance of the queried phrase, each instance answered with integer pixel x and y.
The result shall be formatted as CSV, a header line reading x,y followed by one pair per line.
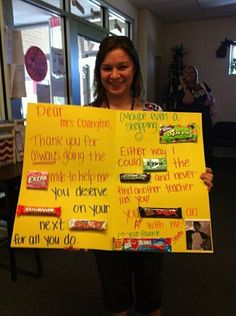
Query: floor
x,y
194,284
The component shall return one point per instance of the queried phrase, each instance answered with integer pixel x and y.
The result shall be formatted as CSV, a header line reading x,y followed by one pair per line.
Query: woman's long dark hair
x,y
107,45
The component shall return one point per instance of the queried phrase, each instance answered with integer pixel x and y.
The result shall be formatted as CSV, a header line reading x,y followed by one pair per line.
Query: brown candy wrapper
x,y
160,212
134,177
82,224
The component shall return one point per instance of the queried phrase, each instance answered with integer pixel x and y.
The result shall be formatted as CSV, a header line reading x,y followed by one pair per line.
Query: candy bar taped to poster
x,y
114,180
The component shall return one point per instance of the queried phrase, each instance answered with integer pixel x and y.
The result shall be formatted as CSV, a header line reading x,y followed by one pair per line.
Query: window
x,y
118,25
55,3
95,12
89,10
63,70
48,38
232,60
87,55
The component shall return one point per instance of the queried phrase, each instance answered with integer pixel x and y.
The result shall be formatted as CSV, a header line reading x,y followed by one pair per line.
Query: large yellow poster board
x,y
116,180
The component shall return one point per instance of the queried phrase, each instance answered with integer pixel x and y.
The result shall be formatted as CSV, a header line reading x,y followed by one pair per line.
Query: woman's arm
x,y
188,97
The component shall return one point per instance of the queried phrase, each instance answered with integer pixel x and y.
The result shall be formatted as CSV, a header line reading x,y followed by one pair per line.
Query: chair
x,y
7,214
224,137
224,134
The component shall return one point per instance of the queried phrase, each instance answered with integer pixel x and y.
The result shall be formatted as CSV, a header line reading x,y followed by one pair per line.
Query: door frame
x,y
90,32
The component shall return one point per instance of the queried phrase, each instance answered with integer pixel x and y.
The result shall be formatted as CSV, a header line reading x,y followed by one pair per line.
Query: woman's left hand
x,y
207,178
210,100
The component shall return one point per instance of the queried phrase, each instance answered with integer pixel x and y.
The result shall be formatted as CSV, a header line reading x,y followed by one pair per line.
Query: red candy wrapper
x,y
83,224
145,244
38,210
37,180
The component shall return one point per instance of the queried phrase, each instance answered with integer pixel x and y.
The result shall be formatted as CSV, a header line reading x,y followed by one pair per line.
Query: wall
x,y
201,40
151,43
124,6
149,39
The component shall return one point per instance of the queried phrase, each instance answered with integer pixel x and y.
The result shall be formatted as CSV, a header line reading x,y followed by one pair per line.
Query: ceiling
x,y
176,11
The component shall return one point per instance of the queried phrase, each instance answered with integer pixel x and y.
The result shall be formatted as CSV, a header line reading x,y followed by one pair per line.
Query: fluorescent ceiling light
x,y
215,3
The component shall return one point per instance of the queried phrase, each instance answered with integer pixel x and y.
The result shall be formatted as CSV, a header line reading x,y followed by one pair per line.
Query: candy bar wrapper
x,y
134,177
37,180
178,134
82,224
154,164
145,244
38,210
160,212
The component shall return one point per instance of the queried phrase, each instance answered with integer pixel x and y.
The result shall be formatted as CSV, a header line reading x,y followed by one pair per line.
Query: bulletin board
x,y
114,180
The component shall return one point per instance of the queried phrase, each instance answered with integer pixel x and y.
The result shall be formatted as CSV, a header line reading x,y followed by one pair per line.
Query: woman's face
x,y
117,72
189,75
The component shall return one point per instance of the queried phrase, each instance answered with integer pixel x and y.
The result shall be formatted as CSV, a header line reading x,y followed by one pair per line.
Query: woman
x,y
118,86
195,96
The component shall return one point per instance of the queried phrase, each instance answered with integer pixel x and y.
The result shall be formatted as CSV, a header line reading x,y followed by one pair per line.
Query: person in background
x,y
129,279
195,96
